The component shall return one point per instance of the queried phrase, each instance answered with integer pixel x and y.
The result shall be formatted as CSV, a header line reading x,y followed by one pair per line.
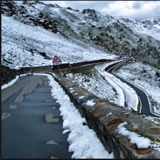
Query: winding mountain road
x,y
145,107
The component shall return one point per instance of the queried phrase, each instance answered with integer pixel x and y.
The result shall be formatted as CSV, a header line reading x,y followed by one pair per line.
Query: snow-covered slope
x,y
150,27
26,45
68,33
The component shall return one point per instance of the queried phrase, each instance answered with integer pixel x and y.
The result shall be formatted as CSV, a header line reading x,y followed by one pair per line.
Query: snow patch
x,y
90,103
10,83
141,142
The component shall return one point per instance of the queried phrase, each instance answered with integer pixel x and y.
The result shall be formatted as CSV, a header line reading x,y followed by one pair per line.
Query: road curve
x,y
31,121
144,100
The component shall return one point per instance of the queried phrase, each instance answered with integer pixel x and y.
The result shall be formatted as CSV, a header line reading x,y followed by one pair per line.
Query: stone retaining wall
x,y
104,117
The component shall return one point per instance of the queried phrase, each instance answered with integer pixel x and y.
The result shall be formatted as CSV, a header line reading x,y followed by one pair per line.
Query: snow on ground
x,y
152,29
146,78
126,95
112,81
141,142
21,44
109,87
10,83
83,141
95,84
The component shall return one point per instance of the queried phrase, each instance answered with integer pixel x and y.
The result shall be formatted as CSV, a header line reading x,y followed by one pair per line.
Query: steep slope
x,y
28,44
118,35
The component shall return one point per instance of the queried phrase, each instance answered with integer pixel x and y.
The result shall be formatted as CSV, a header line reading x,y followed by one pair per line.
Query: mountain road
x,y
145,106
31,121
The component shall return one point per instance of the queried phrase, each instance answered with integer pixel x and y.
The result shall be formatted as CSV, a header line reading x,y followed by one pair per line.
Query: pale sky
x,y
131,9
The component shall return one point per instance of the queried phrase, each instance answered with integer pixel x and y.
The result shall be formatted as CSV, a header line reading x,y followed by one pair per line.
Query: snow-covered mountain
x,y
34,32
29,40
38,29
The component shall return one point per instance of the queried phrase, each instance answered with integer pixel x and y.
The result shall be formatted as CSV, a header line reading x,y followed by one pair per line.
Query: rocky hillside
x,y
118,35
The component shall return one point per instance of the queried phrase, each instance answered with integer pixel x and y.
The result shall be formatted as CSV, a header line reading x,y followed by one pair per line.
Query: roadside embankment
x,y
105,118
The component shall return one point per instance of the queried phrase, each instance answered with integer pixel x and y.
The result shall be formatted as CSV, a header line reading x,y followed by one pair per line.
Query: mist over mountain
x,y
114,35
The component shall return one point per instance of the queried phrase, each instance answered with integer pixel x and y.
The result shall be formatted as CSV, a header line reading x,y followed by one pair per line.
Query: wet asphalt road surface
x,y
145,105
31,121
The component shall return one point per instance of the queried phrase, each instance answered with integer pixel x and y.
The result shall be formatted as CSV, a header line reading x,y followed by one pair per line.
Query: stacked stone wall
x,y
104,117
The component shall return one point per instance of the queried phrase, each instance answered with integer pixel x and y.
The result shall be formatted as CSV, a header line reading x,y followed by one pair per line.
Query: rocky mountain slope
x,y
118,35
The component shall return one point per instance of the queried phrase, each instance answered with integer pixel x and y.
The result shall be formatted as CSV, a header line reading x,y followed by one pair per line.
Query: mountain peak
x,y
151,21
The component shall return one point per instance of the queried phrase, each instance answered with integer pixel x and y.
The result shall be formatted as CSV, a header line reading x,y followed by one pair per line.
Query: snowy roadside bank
x,y
10,83
83,141
106,86
127,95
95,112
